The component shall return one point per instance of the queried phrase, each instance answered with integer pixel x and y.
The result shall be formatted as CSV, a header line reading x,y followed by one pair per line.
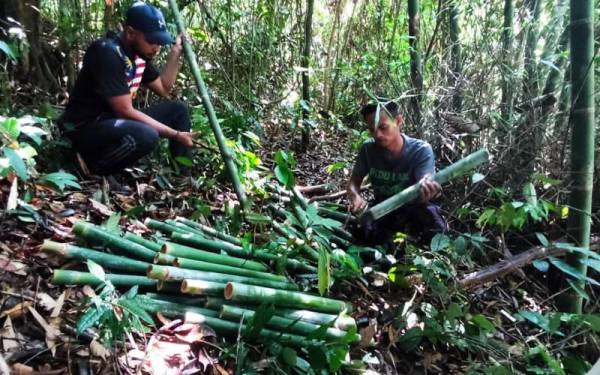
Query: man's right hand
x,y
357,204
185,138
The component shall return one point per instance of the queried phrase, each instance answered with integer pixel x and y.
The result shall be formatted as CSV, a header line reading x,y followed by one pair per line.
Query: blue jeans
x,y
109,144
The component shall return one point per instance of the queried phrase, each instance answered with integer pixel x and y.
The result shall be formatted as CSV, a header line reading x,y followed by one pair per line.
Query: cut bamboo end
x,y
164,259
157,272
54,247
228,291
79,227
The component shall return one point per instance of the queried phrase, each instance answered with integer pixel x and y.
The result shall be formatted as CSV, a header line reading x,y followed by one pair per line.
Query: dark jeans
x,y
109,144
422,221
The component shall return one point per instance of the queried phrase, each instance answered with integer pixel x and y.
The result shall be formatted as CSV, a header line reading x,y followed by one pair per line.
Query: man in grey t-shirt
x,y
393,162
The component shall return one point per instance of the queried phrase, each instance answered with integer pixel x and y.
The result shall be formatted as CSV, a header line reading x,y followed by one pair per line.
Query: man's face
x,y
388,131
142,47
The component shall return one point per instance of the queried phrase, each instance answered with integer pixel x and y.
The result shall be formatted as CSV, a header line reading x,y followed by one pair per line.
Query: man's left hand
x,y
178,45
430,189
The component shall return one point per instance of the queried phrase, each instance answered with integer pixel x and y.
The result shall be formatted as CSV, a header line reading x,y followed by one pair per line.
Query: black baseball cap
x,y
149,20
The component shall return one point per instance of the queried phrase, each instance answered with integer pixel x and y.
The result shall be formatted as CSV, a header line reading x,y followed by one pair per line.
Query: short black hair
x,y
392,108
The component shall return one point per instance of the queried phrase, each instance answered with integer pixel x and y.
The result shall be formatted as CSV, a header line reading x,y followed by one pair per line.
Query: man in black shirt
x,y
394,161
104,127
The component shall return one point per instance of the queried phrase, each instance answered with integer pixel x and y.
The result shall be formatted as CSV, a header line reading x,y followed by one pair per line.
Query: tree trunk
x,y
455,74
305,76
507,66
582,141
415,63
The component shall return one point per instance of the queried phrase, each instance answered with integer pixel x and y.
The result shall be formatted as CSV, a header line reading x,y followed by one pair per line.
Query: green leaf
x,y
440,242
339,165
289,356
541,265
11,127
411,339
17,164
593,320
90,317
575,365
476,178
483,323
581,292
60,180
542,238
9,50
137,308
571,271
185,161
96,270
323,272
112,223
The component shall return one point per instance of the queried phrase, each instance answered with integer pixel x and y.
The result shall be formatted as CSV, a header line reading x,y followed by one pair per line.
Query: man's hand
x,y
177,48
429,189
357,204
185,138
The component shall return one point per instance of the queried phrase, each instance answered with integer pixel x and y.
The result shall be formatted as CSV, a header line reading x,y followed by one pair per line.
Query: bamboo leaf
x,y
17,163
571,271
323,271
96,270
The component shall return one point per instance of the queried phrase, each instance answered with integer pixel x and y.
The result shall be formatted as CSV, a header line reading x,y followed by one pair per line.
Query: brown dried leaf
x,y
52,332
17,268
16,311
99,350
59,304
9,336
11,203
101,208
47,302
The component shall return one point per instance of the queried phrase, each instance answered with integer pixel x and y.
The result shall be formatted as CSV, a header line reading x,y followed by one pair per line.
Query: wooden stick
x,y
335,195
322,188
516,262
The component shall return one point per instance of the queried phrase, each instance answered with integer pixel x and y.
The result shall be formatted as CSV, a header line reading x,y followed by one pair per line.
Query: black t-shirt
x,y
391,174
106,72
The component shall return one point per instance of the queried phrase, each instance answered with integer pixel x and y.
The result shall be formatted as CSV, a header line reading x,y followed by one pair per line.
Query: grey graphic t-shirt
x,y
390,174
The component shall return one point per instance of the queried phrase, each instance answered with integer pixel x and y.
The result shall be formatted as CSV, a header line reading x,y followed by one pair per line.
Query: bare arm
x,y
164,83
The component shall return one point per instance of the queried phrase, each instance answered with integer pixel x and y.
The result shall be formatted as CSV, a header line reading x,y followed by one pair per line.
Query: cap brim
x,y
159,37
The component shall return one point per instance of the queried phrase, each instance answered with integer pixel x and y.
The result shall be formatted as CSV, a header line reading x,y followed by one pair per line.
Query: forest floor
x,y
39,335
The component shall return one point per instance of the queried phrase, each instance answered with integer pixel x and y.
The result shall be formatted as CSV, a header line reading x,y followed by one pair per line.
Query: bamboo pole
x,y
213,267
280,323
211,231
343,322
168,273
114,262
184,300
152,245
184,227
99,236
202,288
212,118
163,227
68,277
234,291
412,192
182,251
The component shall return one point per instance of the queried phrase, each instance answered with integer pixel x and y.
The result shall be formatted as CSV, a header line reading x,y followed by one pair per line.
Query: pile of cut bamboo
x,y
223,284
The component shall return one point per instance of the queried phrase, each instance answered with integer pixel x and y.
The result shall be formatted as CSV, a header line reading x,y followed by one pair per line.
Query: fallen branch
x,y
322,188
335,195
516,262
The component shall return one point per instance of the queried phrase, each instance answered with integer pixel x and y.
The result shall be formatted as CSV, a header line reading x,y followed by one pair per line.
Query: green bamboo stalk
x,y
182,251
168,286
459,168
211,231
282,324
184,300
221,326
455,81
336,215
164,259
416,71
114,262
168,273
198,242
582,143
192,264
163,227
507,66
152,245
212,118
343,322
97,235
234,291
184,227
215,303
67,277
202,288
